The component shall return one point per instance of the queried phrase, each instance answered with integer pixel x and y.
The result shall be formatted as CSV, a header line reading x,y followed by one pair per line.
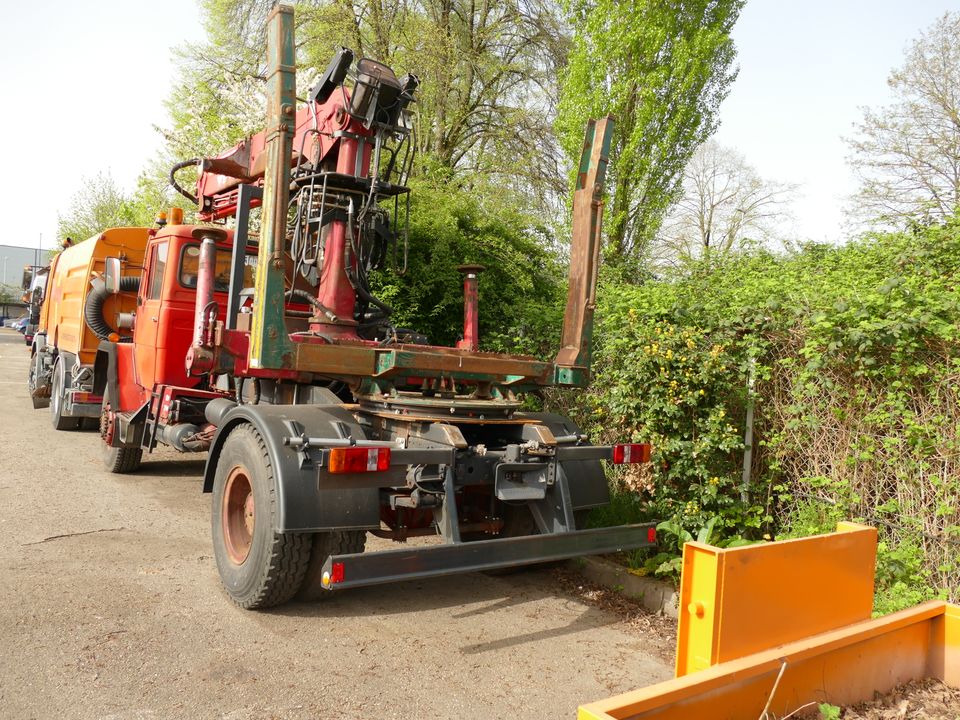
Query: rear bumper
x,y
359,569
82,404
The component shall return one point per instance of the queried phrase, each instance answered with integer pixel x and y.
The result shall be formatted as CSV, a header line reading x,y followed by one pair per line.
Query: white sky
x,y
806,67
85,85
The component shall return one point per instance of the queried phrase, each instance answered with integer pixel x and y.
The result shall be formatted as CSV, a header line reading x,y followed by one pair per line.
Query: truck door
x,y
148,316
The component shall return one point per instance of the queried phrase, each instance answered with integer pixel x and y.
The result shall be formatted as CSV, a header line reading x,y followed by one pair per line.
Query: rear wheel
x,y
58,390
325,544
258,566
116,459
39,396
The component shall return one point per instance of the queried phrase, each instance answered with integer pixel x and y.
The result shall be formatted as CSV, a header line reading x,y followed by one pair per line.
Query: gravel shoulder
x,y
110,607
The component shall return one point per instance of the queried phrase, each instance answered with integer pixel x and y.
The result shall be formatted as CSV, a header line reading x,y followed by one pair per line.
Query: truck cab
x,y
149,397
166,307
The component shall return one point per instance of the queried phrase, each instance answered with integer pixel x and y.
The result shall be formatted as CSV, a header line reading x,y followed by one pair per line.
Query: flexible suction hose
x,y
93,308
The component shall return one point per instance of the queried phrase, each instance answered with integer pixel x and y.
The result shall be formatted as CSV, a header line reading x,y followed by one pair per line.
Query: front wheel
x,y
40,396
57,392
259,567
118,460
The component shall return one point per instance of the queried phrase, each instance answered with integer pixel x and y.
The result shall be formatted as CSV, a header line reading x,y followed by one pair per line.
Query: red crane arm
x,y
316,140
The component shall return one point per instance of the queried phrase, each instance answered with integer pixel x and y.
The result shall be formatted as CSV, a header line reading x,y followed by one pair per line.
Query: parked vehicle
x,y
78,312
323,421
34,284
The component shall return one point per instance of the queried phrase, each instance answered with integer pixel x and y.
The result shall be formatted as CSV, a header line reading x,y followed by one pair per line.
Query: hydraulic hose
x,y
173,180
93,308
313,302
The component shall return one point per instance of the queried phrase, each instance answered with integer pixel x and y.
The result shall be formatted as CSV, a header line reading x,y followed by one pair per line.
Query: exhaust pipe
x,y
200,357
205,272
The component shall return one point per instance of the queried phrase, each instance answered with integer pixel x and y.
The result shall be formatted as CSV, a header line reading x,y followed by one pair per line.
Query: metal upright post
x,y
573,360
270,345
241,235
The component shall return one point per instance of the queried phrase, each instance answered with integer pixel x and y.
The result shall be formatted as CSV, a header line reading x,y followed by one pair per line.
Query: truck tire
x,y
119,460
325,544
258,566
57,390
36,365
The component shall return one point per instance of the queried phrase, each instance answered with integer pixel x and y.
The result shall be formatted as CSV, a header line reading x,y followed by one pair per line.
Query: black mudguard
x,y
105,373
302,506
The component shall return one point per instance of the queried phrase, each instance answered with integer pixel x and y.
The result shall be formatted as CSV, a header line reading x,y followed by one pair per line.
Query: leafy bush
x,y
520,290
853,360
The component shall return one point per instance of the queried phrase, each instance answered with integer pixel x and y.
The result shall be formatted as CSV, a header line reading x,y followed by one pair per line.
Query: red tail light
x,y
334,576
358,459
631,453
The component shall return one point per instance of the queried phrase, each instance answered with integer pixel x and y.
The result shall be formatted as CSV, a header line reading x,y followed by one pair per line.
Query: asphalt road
x,y
111,607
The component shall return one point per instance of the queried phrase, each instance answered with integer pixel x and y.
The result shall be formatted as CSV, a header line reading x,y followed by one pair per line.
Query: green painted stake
x,y
270,345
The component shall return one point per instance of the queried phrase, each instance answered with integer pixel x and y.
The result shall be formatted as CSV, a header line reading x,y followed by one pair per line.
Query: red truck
x,y
148,395
323,421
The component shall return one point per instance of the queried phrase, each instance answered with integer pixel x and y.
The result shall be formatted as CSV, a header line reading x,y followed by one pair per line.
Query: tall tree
x,y
661,69
488,73
907,154
725,207
100,204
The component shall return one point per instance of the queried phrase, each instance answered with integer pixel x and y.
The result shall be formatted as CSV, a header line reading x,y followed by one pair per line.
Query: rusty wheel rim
x,y
106,424
238,515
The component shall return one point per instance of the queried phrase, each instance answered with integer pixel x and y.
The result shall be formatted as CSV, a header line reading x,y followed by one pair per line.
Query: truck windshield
x,y
190,267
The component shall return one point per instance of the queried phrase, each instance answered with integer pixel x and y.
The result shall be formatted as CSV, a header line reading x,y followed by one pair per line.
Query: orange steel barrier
x,y
772,593
767,629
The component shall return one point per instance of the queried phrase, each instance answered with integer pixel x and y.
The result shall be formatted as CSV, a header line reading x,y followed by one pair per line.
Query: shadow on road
x,y
192,468
484,594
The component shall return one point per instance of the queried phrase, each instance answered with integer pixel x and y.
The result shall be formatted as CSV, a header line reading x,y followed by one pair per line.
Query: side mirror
x,y
111,275
27,278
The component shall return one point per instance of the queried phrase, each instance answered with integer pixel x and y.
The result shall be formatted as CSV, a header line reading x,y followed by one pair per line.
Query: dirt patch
x,y
920,700
927,699
659,631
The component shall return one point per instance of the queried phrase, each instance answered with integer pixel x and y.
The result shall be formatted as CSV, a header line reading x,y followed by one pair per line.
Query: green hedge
x,y
521,290
855,365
